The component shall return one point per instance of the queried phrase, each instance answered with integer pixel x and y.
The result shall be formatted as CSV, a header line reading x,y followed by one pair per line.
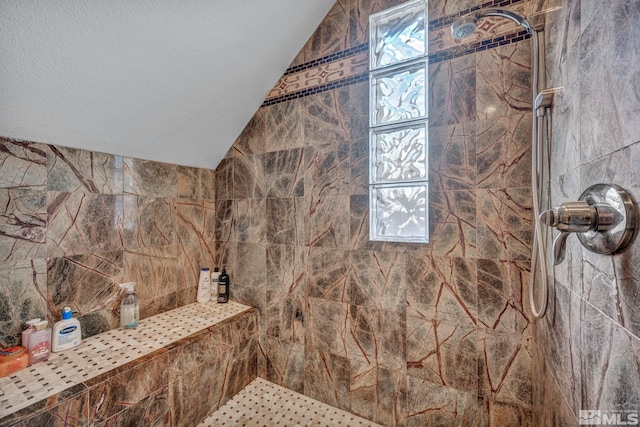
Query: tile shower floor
x,y
264,404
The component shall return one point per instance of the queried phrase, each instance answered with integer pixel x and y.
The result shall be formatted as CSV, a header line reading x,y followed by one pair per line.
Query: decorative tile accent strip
x,y
350,66
101,353
263,403
321,74
318,89
478,47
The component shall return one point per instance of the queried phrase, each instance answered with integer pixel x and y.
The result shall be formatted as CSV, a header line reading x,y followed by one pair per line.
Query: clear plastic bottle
x,y
130,307
39,347
27,331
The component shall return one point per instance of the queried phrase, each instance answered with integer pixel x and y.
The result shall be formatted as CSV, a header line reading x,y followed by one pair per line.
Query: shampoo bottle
x,y
204,286
223,287
66,332
130,307
39,347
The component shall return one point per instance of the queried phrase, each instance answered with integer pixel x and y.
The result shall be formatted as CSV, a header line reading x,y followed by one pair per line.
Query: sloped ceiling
x,y
168,80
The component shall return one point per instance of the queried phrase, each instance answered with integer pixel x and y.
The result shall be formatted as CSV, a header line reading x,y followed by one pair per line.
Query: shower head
x,y
467,24
464,26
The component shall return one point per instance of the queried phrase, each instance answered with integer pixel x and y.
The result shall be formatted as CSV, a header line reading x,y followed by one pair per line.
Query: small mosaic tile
x,y
263,403
107,351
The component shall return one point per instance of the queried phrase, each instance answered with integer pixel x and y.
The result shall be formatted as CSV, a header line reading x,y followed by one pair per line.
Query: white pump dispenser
x,y
129,308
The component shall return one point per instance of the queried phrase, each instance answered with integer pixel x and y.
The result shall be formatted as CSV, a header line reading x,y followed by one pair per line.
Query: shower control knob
x,y
603,218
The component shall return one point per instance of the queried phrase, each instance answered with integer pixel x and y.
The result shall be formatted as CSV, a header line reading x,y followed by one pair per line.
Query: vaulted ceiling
x,y
168,80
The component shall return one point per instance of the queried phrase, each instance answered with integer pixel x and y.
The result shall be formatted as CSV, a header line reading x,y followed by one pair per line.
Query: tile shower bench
x,y
174,369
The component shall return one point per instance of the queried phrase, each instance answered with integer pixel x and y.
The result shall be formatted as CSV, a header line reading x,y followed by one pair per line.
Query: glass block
x,y
399,94
398,34
399,153
398,213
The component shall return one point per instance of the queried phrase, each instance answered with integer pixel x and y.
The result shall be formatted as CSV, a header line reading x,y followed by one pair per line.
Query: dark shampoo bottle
x,y
223,287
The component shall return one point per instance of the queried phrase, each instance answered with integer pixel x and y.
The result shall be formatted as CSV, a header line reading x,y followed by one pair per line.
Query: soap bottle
x,y
204,286
215,277
66,332
27,331
130,307
39,342
223,287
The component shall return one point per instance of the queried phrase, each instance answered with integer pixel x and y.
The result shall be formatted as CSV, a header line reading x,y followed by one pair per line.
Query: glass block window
x,y
398,124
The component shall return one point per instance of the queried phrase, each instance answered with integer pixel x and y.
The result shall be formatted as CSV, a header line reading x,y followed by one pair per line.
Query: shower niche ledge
x,y
138,364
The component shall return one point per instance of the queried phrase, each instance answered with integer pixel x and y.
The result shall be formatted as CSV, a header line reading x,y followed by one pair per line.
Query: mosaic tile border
x,y
102,353
350,66
262,403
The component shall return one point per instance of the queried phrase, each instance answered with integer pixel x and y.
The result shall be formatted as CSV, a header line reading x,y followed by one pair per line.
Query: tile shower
x,y
385,331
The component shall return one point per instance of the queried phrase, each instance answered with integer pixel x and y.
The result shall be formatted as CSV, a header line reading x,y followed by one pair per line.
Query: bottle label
x,y
222,289
66,336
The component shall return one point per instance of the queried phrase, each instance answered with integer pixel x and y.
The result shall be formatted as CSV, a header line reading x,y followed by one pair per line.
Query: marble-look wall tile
x,y
328,274
432,404
325,117
505,223
224,220
359,167
378,394
251,141
286,290
71,413
23,164
154,270
187,186
326,326
443,350
83,223
503,287
285,221
224,180
23,224
452,87
504,151
283,129
70,169
503,79
441,285
610,366
148,221
241,369
250,220
442,8
248,177
23,296
332,35
207,187
285,363
504,367
559,340
359,111
609,55
284,173
378,336
148,178
195,219
87,284
508,414
327,169
152,410
452,157
126,389
327,221
327,378
377,279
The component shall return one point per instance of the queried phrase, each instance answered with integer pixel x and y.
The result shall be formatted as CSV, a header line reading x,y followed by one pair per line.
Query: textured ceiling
x,y
167,80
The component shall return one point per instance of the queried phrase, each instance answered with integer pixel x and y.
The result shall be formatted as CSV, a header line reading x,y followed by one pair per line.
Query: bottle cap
x,y
32,321
204,269
39,326
66,313
129,286
216,269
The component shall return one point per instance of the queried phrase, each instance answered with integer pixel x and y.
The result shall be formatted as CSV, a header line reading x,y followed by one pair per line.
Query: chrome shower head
x,y
464,26
467,24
